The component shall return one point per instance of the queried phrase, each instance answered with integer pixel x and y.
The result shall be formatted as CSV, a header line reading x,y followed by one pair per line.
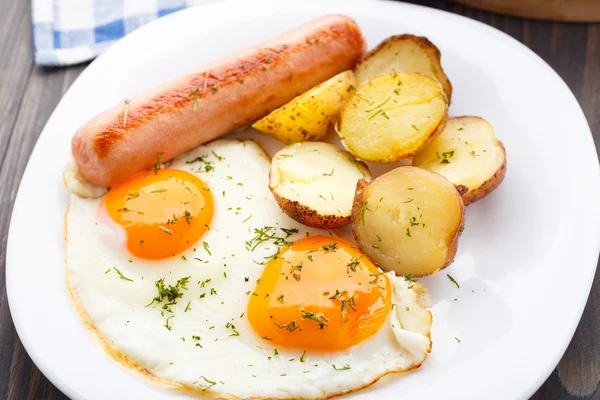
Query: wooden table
x,y
29,95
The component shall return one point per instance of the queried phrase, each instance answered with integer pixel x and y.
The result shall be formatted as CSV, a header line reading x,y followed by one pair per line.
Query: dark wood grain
x,y
15,63
580,366
29,95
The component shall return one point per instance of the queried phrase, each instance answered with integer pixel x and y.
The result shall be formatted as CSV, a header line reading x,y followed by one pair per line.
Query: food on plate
x,y
322,294
76,183
314,183
404,53
226,94
466,153
210,269
392,116
196,316
162,212
408,221
310,115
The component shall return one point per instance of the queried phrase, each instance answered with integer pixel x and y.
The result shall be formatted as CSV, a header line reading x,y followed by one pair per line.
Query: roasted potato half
x,y
408,221
404,53
309,115
314,183
466,153
392,116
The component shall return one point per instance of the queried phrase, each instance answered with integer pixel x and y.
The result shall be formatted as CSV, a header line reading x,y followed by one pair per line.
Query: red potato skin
x,y
226,94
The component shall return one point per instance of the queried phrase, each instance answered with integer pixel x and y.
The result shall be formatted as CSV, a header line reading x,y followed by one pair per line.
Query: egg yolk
x,y
319,293
163,212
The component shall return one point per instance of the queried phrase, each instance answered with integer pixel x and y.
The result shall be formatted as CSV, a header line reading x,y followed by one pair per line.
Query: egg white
x,y
233,362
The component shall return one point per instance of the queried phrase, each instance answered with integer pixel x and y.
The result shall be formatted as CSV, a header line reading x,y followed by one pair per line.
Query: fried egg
x,y
192,275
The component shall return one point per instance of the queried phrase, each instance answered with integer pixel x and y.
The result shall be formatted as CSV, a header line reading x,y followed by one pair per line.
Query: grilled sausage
x,y
226,94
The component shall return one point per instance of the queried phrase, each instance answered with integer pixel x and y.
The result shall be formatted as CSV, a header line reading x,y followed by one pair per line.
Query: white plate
x,y
526,260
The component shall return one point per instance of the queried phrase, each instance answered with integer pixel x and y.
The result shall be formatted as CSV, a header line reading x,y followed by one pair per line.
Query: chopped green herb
x,y
289,232
289,327
344,368
172,293
322,321
446,155
453,281
122,276
354,261
330,246
158,164
166,325
165,230
362,210
211,383
266,234
195,94
380,105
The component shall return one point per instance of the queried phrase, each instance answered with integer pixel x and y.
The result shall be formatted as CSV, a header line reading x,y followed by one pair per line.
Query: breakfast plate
x,y
503,312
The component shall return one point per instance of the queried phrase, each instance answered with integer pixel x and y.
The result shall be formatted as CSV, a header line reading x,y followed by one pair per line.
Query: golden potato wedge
x,y
408,221
392,116
404,53
467,153
314,183
309,115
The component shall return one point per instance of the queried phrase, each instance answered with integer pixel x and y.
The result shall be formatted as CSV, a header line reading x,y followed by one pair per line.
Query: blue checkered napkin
x,y
67,32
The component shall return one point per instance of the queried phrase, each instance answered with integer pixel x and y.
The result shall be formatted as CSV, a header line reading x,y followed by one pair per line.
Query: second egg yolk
x,y
319,293
163,212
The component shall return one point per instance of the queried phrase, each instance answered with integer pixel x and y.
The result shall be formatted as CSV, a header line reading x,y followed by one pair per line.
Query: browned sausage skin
x,y
229,93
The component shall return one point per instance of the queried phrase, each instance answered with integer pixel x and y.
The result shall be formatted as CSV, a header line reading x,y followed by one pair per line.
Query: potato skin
x,y
461,189
428,47
357,205
309,217
488,186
